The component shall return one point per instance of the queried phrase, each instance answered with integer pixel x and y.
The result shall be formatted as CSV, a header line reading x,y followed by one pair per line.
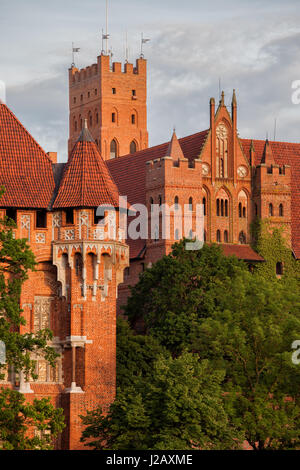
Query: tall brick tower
x,y
114,101
90,255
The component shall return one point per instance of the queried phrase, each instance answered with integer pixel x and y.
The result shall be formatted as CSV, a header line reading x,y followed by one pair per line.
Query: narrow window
x,y
270,210
191,204
176,202
225,236
69,217
159,200
244,212
133,119
218,236
96,91
242,238
91,121
133,147
81,97
41,219
222,207
89,94
11,214
97,118
204,206
113,149
279,268
151,204
240,210
114,91
75,126
98,218
256,209
113,117
226,208
218,207
133,92
281,210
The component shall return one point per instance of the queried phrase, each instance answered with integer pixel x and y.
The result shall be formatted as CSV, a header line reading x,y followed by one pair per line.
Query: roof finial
x,y
234,97
222,98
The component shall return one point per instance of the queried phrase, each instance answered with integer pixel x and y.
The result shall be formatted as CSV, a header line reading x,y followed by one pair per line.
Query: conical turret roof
x,y
86,181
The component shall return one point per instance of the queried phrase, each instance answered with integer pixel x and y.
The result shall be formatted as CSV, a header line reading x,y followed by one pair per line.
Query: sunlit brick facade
x,y
78,286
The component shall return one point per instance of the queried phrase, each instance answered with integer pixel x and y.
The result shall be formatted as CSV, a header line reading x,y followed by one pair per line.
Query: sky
x,y
252,46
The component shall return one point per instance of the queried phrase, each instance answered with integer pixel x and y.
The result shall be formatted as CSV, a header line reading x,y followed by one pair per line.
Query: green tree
x,y
180,290
178,406
241,323
136,354
16,259
17,417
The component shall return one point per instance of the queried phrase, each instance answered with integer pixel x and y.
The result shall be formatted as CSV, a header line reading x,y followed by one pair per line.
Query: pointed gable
x,y
86,180
174,150
268,156
25,169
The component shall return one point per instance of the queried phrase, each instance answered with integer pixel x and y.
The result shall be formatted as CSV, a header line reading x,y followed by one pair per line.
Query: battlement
x,y
165,169
103,66
265,174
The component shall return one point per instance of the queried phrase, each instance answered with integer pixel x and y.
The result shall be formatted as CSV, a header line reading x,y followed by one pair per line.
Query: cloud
x,y
248,46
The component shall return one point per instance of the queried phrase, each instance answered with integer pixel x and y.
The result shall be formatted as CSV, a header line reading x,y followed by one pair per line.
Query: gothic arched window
x,y
270,209
218,236
190,203
240,210
113,149
176,202
133,147
281,210
218,207
226,236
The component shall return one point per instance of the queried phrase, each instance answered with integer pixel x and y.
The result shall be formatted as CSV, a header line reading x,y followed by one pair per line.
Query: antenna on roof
x,y
143,41
126,48
105,37
275,128
74,49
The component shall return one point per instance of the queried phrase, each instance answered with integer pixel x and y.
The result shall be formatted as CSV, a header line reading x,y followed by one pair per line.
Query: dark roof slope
x,y
25,169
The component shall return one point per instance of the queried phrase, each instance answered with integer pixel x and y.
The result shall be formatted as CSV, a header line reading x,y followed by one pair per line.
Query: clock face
x,y
205,169
242,171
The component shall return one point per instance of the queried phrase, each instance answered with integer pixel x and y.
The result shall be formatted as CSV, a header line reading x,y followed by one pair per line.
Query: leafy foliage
x,y
178,406
43,421
16,417
229,333
181,289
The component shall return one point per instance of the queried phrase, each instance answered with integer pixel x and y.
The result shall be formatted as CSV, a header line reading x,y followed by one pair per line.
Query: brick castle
x,y
83,271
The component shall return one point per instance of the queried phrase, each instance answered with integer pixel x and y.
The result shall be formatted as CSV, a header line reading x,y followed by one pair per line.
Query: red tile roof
x,y
284,153
25,169
129,172
86,181
244,252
